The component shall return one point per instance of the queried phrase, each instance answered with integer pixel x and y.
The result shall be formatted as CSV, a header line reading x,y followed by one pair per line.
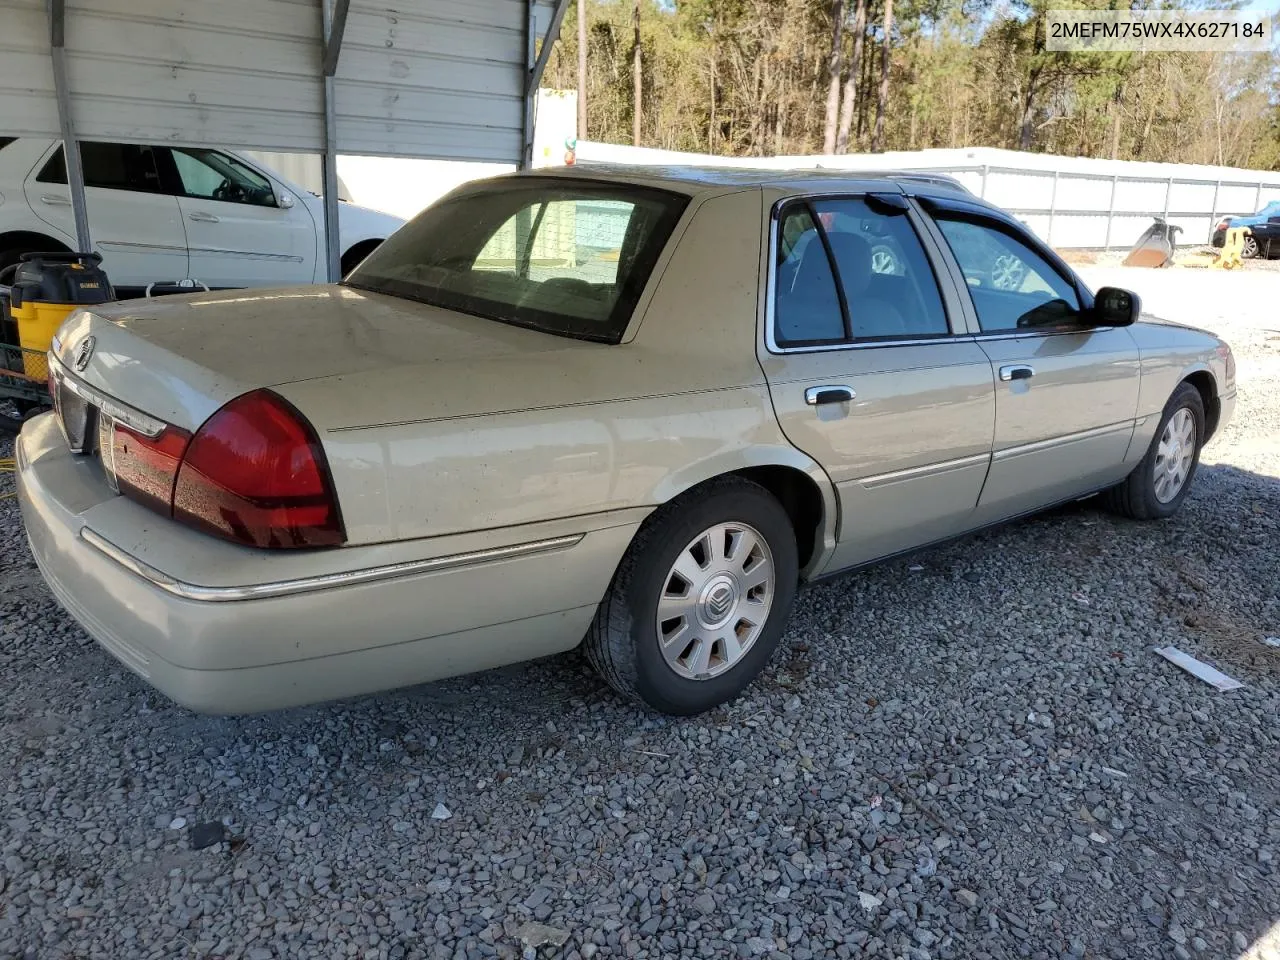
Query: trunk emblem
x,y
84,352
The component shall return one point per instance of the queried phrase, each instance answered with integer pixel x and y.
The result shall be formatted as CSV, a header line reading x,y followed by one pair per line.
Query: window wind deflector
x,y
887,204
952,205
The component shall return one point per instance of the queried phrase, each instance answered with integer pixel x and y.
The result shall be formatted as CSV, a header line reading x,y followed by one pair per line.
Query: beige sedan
x,y
635,407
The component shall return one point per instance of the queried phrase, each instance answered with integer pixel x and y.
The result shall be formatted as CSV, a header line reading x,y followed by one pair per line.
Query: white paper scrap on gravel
x,y
1210,675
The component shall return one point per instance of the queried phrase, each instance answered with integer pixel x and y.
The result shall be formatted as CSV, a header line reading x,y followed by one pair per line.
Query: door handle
x,y
815,396
1016,371
55,201
201,217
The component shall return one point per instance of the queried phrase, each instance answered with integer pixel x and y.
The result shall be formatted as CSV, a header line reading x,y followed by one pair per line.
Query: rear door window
x,y
806,302
566,257
110,166
849,270
888,284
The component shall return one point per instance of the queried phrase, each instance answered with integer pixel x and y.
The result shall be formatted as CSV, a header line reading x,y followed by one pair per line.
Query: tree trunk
x,y
711,124
1140,148
1115,124
833,78
851,81
882,99
582,69
864,94
637,74
1026,125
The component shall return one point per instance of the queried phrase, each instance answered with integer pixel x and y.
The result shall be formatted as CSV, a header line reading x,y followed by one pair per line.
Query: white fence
x,y
1079,209
1068,201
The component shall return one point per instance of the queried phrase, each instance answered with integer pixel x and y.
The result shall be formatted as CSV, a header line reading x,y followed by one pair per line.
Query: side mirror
x,y
1113,307
285,200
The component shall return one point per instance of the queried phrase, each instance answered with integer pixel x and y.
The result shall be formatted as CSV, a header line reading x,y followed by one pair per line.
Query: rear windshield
x,y
561,256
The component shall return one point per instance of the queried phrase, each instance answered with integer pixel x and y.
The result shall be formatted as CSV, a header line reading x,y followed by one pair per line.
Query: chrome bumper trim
x,y
282,588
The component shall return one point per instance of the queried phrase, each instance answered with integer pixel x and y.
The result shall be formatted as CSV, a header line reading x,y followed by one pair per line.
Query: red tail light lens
x,y
256,473
145,467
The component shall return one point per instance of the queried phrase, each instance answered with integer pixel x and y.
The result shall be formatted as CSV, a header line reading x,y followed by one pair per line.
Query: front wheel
x,y
699,601
1160,482
1249,249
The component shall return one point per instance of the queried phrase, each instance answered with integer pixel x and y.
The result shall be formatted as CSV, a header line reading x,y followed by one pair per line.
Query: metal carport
x,y
439,79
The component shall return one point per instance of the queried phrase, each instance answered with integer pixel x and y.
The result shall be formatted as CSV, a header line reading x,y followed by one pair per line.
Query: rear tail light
x,y
255,473
144,468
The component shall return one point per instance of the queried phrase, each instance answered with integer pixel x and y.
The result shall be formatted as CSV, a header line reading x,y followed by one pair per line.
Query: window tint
x,y
889,286
565,257
111,166
210,175
1012,285
806,304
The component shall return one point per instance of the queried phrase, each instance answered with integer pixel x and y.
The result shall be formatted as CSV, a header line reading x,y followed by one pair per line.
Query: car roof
x,y
696,179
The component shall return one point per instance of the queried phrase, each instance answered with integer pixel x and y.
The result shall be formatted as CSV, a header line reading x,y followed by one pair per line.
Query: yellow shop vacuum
x,y
47,287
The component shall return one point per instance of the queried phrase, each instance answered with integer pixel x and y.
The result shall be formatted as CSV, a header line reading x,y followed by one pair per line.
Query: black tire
x,y
622,642
1135,496
1250,248
9,425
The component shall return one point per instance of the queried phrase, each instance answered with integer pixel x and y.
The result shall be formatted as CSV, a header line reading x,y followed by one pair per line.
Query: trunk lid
x,y
181,358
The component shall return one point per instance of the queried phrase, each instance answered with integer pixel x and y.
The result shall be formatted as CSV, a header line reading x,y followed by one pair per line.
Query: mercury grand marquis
x,y
626,408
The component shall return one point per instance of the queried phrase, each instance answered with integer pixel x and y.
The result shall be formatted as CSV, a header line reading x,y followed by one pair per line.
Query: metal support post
x,y
1053,207
1213,212
530,91
70,146
536,60
333,25
1111,213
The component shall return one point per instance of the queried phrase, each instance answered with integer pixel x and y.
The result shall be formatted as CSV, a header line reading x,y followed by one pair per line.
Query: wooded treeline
x,y
770,77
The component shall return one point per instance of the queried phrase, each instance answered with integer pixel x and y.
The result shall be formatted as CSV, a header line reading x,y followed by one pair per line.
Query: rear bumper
x,y
233,656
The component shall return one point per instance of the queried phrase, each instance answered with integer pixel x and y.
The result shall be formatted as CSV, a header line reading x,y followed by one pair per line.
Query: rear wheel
x,y
1249,249
700,600
1158,485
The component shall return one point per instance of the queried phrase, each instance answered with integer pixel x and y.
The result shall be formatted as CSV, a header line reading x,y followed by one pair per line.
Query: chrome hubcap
x,y
715,600
1174,455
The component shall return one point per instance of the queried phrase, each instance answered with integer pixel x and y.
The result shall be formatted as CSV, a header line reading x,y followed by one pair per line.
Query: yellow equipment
x,y
1229,258
47,287
1232,247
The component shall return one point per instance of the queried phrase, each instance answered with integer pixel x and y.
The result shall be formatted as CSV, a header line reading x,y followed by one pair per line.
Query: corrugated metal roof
x,y
429,78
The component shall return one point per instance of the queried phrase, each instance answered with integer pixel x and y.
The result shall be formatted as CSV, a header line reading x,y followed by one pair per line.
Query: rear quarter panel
x,y
681,401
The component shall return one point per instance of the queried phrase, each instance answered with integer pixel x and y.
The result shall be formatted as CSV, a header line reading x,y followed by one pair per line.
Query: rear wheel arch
x,y
1207,387
17,242
798,483
802,499
357,252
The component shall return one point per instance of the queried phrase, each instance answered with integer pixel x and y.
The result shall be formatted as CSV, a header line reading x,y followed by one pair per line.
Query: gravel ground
x,y
967,753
